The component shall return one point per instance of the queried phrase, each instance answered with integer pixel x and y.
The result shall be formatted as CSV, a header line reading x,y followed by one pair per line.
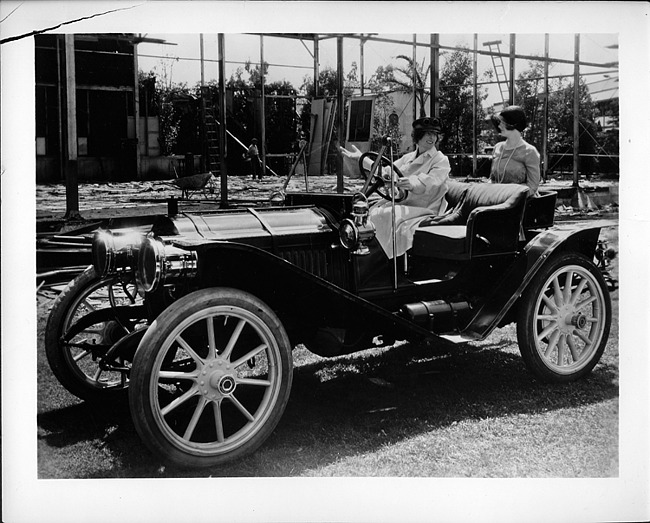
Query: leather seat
x,y
485,219
447,239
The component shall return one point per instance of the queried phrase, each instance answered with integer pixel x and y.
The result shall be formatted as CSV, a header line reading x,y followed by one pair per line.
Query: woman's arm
x,y
532,170
493,165
351,160
432,179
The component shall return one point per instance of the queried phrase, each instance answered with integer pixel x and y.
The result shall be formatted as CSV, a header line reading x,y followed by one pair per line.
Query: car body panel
x,y
535,254
291,257
227,295
302,286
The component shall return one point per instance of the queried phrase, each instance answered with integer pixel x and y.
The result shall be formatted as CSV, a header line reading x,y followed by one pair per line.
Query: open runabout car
x,y
196,319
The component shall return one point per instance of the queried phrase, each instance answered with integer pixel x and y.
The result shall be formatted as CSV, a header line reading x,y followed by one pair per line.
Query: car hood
x,y
241,224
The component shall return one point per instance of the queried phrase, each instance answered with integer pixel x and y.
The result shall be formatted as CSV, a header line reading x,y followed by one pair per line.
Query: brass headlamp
x,y
115,252
356,232
160,263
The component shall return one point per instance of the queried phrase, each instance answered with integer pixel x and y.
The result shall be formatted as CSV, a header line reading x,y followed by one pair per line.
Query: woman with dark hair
x,y
514,160
426,173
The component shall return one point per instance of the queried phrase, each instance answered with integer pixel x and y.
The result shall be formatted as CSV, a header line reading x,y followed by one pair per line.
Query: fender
x,y
533,257
290,289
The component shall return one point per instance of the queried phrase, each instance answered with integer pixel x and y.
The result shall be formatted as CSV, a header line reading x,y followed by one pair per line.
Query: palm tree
x,y
412,71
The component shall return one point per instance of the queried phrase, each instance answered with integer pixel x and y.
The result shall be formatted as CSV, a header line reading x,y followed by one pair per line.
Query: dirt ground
x,y
112,199
98,200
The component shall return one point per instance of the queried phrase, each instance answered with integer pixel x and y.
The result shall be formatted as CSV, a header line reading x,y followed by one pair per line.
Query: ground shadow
x,y
373,399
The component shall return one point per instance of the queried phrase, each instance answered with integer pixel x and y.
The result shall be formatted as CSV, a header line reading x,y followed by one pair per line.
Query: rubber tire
x,y
143,404
63,369
527,314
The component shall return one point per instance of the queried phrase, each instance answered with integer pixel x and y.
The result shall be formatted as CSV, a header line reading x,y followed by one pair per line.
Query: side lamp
x,y
355,233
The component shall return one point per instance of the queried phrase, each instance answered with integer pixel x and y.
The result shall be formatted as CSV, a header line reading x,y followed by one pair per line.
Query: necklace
x,y
503,172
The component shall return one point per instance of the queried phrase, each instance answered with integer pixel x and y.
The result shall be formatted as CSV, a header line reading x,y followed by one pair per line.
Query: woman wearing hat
x,y
426,173
514,160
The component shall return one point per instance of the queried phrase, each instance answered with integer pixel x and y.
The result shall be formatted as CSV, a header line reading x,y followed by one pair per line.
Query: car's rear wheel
x,y
211,378
76,361
564,319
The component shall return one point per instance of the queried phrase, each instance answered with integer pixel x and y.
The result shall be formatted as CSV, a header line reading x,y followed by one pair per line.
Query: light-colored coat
x,y
429,175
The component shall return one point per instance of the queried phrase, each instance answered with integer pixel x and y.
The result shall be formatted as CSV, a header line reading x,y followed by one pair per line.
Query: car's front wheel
x,y
211,378
564,319
77,361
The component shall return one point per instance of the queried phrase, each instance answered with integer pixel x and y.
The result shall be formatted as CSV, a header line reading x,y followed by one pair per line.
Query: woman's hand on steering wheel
x,y
404,184
375,180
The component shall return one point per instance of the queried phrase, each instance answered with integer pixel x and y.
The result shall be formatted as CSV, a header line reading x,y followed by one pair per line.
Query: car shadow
x,y
375,398
81,422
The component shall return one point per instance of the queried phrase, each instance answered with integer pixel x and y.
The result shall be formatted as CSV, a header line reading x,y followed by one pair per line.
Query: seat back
x,y
463,198
540,210
485,220
495,218
504,195
455,193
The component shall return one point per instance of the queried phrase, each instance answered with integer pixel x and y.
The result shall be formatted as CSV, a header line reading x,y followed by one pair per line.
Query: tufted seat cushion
x,y
485,219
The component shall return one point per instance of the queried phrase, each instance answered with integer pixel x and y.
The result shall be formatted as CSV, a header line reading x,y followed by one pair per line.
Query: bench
x,y
484,219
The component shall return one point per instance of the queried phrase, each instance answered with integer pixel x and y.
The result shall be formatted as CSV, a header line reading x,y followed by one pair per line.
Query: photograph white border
x,y
25,498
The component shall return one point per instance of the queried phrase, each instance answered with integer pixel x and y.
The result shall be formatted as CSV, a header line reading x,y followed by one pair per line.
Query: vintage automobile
x,y
196,318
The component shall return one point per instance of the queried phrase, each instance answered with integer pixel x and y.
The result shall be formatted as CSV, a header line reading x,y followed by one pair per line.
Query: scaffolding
x,y
506,87
504,80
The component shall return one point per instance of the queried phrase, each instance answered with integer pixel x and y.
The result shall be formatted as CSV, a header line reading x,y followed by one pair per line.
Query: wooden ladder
x,y
210,132
499,69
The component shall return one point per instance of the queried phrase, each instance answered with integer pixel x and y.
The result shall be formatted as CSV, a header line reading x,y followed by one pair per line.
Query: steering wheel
x,y
376,182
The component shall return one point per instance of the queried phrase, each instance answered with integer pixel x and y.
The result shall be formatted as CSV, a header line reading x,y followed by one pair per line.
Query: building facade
x,y
87,106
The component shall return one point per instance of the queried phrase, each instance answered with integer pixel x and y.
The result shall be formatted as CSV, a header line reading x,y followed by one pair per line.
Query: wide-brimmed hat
x,y
427,123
